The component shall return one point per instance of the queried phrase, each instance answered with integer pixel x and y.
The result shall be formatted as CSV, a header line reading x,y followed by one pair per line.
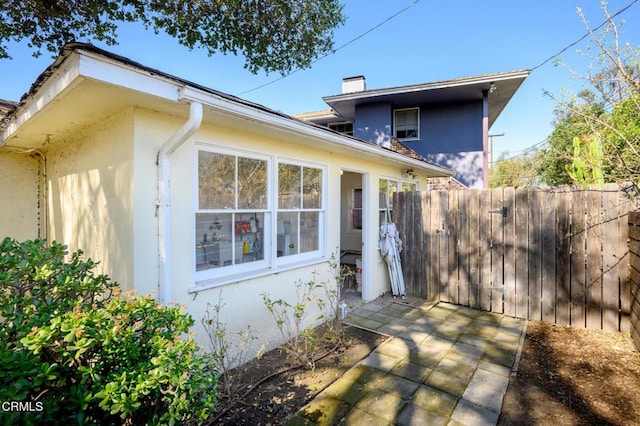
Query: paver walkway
x,y
447,365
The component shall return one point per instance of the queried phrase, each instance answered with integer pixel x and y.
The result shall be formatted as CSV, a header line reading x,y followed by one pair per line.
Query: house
x,y
446,122
189,193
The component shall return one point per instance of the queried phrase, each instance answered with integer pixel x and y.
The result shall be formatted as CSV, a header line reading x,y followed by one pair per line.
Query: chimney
x,y
353,84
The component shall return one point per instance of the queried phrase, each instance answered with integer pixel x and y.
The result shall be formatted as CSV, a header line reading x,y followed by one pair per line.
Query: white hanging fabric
x,y
390,246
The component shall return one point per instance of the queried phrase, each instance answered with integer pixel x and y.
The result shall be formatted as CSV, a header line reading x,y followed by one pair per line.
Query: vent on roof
x,y
353,84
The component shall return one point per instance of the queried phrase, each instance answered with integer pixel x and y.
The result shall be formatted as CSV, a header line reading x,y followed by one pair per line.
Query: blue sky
x,y
430,41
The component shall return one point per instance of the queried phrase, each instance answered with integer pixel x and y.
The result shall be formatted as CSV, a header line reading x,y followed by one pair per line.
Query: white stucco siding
x,y
91,195
19,192
243,303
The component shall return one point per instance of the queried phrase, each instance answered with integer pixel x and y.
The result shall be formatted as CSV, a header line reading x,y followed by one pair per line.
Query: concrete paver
x,y
442,365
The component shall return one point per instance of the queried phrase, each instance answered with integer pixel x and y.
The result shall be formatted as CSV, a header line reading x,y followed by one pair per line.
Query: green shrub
x,y
80,353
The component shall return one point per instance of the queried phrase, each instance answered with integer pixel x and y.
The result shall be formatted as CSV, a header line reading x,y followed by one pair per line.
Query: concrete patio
x,y
441,365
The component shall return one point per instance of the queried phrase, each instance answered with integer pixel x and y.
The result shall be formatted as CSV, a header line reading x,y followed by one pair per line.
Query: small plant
x,y
227,352
290,318
75,349
300,342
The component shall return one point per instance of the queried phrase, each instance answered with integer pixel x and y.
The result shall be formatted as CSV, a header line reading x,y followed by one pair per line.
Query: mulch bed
x,y
574,376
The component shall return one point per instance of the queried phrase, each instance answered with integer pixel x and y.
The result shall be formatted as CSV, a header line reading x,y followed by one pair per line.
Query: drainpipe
x,y
188,129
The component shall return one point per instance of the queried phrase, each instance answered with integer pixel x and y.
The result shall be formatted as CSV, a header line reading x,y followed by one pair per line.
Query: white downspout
x,y
188,129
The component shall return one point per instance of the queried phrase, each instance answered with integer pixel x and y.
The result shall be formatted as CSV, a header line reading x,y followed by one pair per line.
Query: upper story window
x,y
344,127
406,123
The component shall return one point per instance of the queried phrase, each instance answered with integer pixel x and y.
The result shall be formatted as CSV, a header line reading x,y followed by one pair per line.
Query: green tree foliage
x,y
517,172
597,133
272,35
80,354
571,122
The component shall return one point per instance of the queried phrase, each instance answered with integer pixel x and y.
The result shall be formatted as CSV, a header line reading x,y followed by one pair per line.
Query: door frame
x,y
366,228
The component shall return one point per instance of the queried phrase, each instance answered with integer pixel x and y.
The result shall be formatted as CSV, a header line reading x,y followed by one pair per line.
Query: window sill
x,y
210,283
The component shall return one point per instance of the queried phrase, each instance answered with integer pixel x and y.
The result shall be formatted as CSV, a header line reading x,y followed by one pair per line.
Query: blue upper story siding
x,y
373,123
450,134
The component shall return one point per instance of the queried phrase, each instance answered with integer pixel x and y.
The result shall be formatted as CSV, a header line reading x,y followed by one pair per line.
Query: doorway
x,y
354,226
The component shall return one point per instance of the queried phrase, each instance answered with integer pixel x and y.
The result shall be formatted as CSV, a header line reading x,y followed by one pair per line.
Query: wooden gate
x,y
559,256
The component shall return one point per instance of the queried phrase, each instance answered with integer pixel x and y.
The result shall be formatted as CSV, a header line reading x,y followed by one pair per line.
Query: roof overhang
x,y
86,85
500,88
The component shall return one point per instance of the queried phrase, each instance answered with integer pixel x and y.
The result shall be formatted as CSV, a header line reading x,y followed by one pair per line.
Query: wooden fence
x,y
634,275
559,256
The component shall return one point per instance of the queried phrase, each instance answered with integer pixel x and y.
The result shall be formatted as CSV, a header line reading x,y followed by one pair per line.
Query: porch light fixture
x,y
408,173
492,87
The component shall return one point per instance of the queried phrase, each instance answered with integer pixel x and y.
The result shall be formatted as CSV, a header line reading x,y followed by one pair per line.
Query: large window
x,y
406,123
232,210
300,211
244,223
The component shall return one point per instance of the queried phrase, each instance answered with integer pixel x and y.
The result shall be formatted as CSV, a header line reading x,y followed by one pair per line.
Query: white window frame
x,y
383,209
341,123
221,273
215,277
320,252
352,208
395,129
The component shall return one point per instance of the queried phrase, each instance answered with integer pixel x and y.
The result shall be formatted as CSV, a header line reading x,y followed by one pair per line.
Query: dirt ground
x,y
282,395
571,376
566,376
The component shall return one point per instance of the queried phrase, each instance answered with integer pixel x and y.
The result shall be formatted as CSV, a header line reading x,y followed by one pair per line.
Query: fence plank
x,y
610,260
497,251
578,234
509,268
522,253
463,246
452,242
430,290
474,247
548,251
443,245
594,258
563,255
535,255
484,293
419,255
434,240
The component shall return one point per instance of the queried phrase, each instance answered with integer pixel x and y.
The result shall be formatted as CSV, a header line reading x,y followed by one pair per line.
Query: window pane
x,y
409,186
312,188
252,183
357,198
356,219
215,243
216,180
309,231
287,233
289,186
249,235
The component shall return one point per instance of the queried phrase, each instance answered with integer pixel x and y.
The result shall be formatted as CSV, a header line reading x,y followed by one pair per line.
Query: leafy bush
x,y
78,352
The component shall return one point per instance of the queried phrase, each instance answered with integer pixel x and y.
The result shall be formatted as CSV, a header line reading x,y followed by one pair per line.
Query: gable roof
x,y
500,87
5,107
126,82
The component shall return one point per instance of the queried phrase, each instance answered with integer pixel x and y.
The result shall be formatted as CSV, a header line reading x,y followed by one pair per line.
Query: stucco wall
x,y
91,195
242,300
19,192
